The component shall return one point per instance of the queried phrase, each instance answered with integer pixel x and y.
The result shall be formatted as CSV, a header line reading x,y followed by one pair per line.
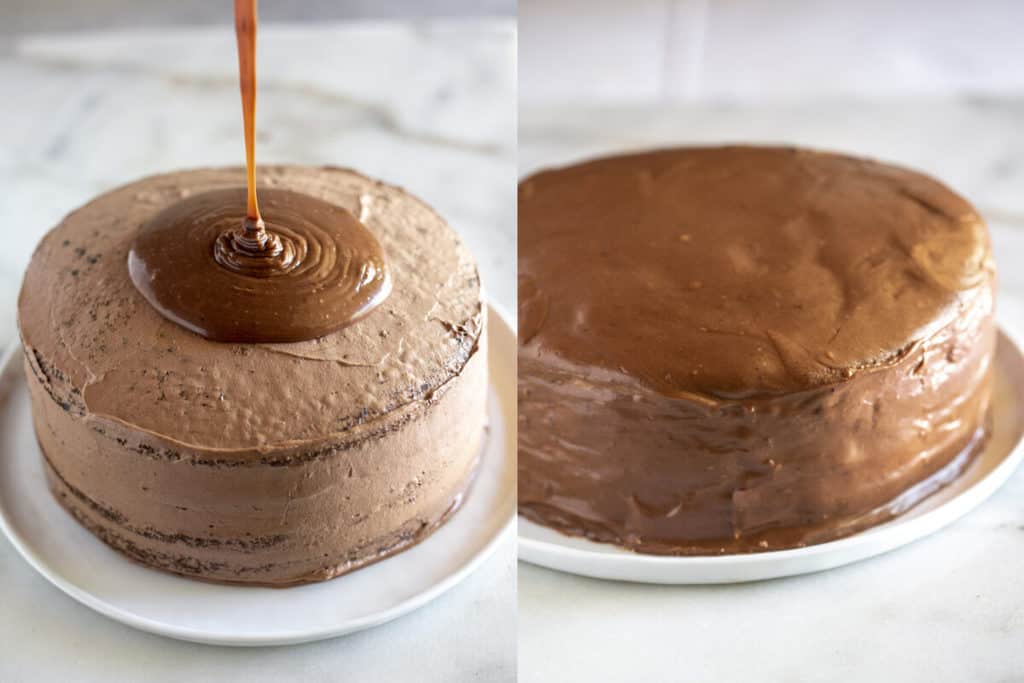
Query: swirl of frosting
x,y
311,269
252,250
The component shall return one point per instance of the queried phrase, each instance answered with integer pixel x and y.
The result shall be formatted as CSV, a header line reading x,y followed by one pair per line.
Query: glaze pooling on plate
x,y
990,469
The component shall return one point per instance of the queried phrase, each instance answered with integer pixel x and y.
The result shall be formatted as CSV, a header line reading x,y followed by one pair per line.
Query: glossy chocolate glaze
x,y
736,349
215,265
191,262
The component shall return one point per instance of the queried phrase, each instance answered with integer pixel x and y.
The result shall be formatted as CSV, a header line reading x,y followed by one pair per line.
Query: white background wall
x,y
745,50
26,16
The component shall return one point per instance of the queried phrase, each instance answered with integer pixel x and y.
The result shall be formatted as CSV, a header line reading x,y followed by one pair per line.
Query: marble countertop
x,y
429,106
947,608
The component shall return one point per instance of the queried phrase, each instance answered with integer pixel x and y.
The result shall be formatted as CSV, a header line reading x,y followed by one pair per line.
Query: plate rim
x,y
8,373
609,562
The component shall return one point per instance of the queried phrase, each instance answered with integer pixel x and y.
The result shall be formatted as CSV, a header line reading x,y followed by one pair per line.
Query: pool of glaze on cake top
x,y
215,265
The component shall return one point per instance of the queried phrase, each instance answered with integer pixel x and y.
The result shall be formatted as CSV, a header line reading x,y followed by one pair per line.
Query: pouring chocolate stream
x,y
219,266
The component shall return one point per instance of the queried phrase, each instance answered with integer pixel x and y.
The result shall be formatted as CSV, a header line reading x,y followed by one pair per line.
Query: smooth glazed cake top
x,y
80,311
740,271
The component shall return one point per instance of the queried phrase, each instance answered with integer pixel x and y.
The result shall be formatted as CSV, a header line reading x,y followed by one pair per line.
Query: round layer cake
x,y
741,348
269,464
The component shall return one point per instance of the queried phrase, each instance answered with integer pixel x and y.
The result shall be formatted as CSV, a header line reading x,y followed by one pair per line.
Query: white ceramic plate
x,y
548,548
90,572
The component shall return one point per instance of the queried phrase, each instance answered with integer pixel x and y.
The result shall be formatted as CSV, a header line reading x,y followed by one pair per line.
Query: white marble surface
x,y
428,106
949,608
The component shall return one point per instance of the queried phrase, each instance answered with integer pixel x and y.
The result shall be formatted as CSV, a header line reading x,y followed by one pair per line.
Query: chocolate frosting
x,y
735,348
269,463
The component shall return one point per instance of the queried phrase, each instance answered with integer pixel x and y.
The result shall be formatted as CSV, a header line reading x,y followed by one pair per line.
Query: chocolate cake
x,y
740,349
256,463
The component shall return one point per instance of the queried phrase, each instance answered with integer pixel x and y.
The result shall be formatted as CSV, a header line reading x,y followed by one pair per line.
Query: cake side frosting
x,y
610,459
305,514
754,348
